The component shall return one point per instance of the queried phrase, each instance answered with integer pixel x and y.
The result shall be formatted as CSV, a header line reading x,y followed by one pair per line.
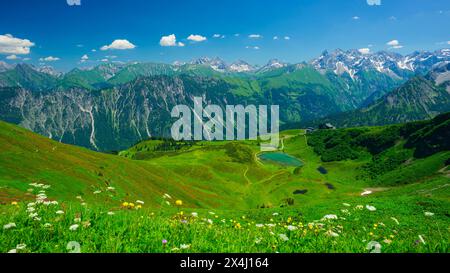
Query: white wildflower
x,y
291,228
428,214
332,233
194,214
259,225
374,247
184,246
371,208
74,227
110,213
13,251
140,202
329,217
59,212
9,225
21,246
283,237
366,193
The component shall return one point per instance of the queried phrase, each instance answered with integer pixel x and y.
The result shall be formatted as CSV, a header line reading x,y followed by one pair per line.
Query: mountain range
x,y
114,105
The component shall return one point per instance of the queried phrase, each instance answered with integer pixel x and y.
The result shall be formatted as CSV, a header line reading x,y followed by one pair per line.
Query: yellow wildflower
x,y
14,203
125,204
179,203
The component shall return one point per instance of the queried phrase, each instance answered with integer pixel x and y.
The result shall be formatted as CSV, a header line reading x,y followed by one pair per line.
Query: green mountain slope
x,y
422,97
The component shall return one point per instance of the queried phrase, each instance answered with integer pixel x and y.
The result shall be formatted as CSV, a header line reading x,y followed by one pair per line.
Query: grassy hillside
x,y
231,200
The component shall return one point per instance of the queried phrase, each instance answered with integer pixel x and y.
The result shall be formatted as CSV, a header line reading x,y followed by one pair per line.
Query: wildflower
x,y
140,202
283,237
167,196
110,188
259,225
13,251
125,204
275,214
329,217
194,214
21,246
210,221
30,209
9,225
371,208
371,233
14,203
366,193
332,233
359,207
138,207
291,228
60,212
110,213
73,247
179,203
164,242
184,246
73,227
33,215
31,204
289,219
258,240
97,192
428,214
47,225
237,226
374,247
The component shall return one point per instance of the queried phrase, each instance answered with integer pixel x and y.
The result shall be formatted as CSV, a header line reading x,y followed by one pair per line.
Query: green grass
x,y
225,178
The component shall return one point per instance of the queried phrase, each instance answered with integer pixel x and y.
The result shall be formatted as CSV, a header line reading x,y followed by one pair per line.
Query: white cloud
x,y
374,2
252,47
12,45
94,50
170,40
254,36
287,37
275,37
84,58
221,36
395,44
74,2
12,57
196,38
393,18
355,18
119,44
49,59
237,35
364,50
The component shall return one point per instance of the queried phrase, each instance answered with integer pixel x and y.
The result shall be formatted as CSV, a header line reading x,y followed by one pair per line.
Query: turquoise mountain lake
x,y
281,159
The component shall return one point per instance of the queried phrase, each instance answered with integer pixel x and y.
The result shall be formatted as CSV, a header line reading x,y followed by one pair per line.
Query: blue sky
x,y
32,30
